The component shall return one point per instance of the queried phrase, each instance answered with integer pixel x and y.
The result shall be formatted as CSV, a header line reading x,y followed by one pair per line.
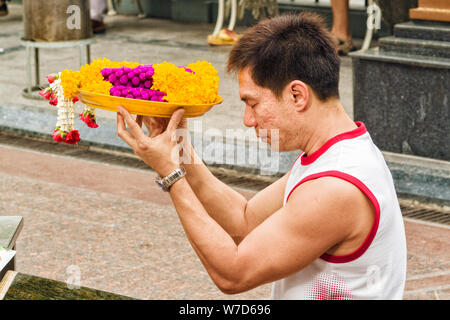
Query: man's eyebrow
x,y
246,97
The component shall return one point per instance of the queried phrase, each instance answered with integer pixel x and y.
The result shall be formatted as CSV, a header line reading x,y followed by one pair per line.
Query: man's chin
x,y
273,146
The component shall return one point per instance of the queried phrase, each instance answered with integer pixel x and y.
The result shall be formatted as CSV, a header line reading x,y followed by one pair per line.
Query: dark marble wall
x,y
405,107
402,90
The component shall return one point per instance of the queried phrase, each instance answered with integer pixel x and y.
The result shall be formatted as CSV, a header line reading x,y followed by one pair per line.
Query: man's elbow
x,y
231,286
239,275
236,281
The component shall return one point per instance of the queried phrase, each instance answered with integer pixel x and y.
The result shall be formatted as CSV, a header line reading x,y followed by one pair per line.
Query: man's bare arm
x,y
226,206
320,214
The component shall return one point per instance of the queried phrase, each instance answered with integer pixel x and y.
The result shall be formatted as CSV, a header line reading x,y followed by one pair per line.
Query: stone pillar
x,y
56,20
402,88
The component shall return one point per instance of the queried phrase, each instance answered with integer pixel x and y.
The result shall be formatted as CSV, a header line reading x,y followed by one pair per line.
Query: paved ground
x,y
111,221
123,233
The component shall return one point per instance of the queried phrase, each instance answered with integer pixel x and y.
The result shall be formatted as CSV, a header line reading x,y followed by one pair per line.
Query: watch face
x,y
166,183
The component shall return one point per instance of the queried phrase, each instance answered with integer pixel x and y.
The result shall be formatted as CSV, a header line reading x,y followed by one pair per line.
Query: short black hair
x,y
286,48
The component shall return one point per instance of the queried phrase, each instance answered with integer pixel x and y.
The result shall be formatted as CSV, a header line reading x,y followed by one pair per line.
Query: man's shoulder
x,y
325,185
330,198
334,205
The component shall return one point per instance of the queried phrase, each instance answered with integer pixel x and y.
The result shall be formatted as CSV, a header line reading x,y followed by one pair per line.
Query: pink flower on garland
x,y
48,94
89,119
72,137
45,93
52,77
57,135
53,100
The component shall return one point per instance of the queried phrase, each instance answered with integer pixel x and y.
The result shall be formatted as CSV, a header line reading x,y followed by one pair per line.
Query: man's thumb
x,y
175,120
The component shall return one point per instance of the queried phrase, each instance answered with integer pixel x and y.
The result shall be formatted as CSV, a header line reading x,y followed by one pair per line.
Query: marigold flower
x,y
196,83
70,83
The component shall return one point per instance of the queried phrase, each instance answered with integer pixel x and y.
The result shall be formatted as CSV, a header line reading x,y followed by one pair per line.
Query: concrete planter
x,y
49,20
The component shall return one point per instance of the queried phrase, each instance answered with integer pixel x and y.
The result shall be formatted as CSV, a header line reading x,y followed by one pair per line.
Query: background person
x,y
98,10
340,29
3,8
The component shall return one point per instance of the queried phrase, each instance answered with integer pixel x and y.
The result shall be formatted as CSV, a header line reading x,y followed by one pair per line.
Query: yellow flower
x,y
89,77
200,87
92,79
70,82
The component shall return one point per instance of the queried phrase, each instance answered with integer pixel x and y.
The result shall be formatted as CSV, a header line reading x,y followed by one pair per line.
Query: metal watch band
x,y
166,182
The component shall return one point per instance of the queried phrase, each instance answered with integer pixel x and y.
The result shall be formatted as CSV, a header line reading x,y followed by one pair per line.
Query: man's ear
x,y
299,93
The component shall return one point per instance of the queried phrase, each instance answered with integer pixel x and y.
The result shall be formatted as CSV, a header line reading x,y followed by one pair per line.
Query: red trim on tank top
x,y
349,178
308,159
297,159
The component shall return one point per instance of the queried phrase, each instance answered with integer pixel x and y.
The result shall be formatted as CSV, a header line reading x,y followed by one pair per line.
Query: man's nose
x,y
249,117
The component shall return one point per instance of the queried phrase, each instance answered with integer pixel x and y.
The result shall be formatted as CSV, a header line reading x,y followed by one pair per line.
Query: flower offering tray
x,y
143,107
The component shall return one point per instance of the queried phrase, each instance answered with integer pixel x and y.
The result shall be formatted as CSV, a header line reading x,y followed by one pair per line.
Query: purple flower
x,y
112,78
149,74
105,73
142,76
124,79
135,81
119,73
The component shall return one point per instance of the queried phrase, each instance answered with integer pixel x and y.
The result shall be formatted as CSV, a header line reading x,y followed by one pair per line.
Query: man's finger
x,y
123,133
175,120
139,120
154,127
132,124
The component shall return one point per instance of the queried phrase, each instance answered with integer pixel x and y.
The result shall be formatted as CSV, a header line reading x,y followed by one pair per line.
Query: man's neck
x,y
325,121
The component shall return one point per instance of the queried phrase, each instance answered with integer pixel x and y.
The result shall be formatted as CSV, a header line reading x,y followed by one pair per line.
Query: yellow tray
x,y
144,107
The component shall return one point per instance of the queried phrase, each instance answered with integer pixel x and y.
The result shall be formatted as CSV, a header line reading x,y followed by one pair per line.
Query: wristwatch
x,y
166,182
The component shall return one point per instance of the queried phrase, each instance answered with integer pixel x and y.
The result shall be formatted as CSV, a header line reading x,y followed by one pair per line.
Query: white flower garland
x,y
66,112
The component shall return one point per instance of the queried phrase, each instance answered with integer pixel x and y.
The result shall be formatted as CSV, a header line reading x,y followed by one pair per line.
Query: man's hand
x,y
156,125
159,150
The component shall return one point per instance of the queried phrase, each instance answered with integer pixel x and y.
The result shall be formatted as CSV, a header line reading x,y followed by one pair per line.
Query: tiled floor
x,y
124,235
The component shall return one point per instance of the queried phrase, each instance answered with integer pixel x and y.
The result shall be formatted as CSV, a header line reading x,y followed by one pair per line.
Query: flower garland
x,y
196,83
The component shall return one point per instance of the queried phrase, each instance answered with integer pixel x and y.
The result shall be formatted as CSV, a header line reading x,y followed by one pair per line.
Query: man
x,y
331,228
97,10
3,8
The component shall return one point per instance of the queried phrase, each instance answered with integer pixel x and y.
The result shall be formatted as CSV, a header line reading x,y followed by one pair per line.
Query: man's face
x,y
264,111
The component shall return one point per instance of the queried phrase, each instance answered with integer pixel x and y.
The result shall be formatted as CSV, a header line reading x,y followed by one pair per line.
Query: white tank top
x,y
377,269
